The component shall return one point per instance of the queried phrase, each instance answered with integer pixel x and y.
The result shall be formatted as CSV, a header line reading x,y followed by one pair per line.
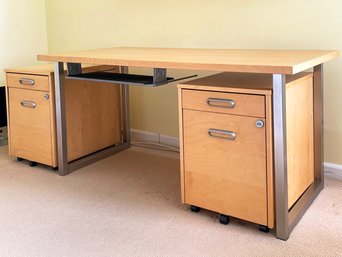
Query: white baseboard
x,y
145,136
337,168
168,140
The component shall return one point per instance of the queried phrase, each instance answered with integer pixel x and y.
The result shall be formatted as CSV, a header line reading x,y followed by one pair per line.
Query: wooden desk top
x,y
254,61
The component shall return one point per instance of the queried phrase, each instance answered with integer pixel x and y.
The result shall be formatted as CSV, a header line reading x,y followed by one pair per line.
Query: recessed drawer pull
x,y
230,135
28,104
29,82
220,102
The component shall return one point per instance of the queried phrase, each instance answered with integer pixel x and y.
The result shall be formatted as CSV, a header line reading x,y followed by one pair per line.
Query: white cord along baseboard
x,y
140,136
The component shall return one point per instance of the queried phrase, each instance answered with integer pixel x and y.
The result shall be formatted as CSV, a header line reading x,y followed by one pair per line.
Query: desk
x,y
277,62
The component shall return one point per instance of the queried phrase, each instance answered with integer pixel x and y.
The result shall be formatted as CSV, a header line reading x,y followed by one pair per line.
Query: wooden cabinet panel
x,y
30,125
239,104
300,143
93,116
28,81
228,176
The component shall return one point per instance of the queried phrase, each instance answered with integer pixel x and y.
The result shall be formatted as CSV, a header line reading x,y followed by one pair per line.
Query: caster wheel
x,y
19,159
32,164
263,228
195,208
54,168
224,219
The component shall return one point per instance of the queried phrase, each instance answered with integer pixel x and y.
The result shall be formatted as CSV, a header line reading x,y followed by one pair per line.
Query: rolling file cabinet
x,y
93,115
227,144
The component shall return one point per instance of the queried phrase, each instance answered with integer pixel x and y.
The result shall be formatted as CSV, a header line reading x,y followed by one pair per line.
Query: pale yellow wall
x,y
291,24
22,33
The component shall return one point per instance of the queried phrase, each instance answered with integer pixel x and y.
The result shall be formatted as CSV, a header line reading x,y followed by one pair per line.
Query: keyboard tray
x,y
118,78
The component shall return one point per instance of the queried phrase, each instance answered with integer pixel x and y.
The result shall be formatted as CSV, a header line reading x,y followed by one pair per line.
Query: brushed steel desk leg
x,y
126,129
280,156
62,148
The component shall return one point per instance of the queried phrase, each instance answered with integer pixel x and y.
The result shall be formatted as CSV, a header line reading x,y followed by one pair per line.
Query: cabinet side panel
x,y
53,121
269,162
181,139
8,119
300,154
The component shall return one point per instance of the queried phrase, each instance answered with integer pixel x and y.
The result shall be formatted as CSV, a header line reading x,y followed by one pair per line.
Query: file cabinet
x,y
226,141
93,114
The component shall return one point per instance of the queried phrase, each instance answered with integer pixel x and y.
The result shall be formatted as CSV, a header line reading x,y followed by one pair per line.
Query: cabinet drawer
x,y
30,125
241,104
225,172
27,81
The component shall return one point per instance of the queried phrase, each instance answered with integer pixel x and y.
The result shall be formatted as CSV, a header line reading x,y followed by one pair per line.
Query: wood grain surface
x,y
228,176
238,60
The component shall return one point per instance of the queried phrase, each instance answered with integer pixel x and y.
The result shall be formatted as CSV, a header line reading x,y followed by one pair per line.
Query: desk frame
x,y
65,167
286,219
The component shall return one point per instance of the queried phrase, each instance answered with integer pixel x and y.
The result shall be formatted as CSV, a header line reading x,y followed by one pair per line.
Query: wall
x,y
22,33
306,24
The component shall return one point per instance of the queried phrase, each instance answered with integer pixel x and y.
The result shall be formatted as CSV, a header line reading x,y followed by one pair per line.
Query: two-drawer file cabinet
x,y
93,114
226,142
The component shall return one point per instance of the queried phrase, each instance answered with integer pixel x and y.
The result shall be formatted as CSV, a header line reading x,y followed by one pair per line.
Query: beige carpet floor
x,y
129,205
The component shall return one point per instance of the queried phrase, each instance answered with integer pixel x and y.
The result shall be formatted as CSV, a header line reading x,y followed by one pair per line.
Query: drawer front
x,y
225,164
33,82
240,104
30,125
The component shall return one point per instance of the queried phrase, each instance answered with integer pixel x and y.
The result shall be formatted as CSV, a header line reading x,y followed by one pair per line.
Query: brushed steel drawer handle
x,y
230,135
28,104
29,82
219,102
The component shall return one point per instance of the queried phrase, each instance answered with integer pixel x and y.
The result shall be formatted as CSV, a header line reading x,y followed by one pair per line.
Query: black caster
x,y
32,164
195,208
224,219
19,159
263,228
54,168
